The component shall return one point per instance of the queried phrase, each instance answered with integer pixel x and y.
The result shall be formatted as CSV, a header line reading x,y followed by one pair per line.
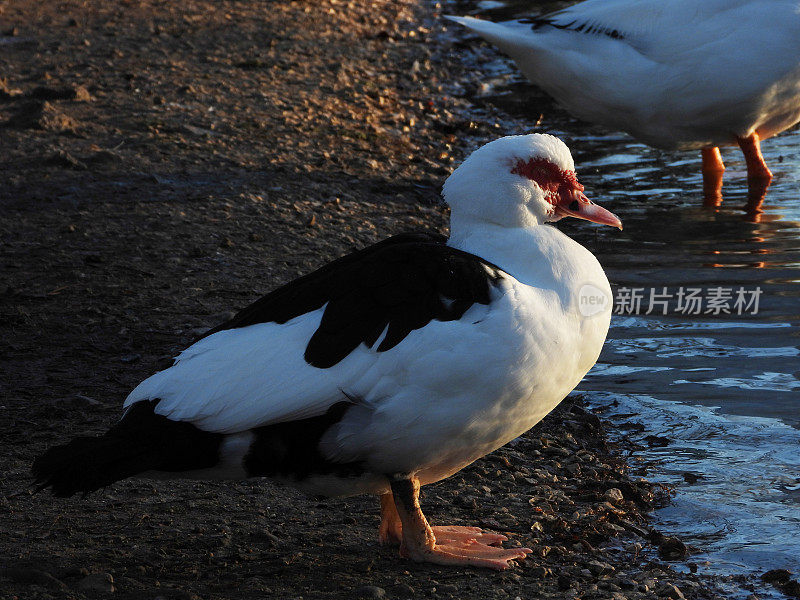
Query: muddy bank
x,y
164,164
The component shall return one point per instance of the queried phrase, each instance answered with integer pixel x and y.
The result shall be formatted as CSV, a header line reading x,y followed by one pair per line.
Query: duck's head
x,y
521,181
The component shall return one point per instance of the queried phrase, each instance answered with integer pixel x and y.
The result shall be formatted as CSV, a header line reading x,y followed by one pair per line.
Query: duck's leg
x,y
713,168
465,546
758,175
391,529
756,167
712,160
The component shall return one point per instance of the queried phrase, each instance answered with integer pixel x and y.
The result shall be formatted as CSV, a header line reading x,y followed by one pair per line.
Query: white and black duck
x,y
387,369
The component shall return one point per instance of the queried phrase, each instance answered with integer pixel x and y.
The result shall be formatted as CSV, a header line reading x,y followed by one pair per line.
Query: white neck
x,y
538,255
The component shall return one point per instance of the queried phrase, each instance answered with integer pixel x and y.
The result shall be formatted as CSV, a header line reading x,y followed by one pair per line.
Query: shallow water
x,y
723,388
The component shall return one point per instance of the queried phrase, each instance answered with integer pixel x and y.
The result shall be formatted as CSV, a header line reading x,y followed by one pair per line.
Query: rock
x,y
656,441
777,576
540,572
64,160
266,537
599,568
32,577
76,572
792,588
7,93
77,93
41,115
97,582
614,495
668,590
691,477
446,588
670,548
103,157
82,94
369,592
564,582
403,590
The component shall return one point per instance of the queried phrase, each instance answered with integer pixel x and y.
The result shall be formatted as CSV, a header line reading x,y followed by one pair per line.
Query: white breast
x,y
454,391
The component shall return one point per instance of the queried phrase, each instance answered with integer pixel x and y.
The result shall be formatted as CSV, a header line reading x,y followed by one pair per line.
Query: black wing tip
x,y
50,470
574,25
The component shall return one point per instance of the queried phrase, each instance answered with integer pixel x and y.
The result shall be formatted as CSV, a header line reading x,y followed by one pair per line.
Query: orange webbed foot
x,y
454,545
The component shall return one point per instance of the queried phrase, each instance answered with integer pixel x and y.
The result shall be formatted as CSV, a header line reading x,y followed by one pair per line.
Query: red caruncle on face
x,y
554,182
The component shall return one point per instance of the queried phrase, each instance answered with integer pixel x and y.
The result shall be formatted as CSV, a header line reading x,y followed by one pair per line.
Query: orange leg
x,y
712,160
391,530
713,167
756,167
453,545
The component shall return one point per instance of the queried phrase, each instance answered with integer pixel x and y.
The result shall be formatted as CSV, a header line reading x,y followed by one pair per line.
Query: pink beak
x,y
576,204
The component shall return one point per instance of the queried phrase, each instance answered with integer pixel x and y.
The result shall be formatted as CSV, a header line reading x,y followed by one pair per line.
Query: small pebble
x,y
446,588
369,592
97,582
403,590
669,590
540,572
564,582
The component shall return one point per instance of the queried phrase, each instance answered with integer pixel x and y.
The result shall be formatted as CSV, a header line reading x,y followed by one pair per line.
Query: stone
x,y
791,588
32,577
669,590
671,548
369,592
540,572
41,115
446,588
97,582
599,568
403,590
777,576
564,582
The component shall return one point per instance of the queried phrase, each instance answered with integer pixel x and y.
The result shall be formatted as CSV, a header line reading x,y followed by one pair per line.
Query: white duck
x,y
387,369
673,73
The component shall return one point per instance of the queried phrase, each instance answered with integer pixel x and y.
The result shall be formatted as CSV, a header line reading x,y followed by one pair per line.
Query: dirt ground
x,y
165,163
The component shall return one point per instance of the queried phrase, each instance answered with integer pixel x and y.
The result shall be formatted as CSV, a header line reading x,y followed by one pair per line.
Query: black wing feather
x,y
552,20
397,285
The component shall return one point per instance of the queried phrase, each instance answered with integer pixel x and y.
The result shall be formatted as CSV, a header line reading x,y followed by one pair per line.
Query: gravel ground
x,y
163,164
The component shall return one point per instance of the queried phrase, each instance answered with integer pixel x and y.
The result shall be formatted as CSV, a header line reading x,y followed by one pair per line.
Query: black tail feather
x,y
86,464
141,441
